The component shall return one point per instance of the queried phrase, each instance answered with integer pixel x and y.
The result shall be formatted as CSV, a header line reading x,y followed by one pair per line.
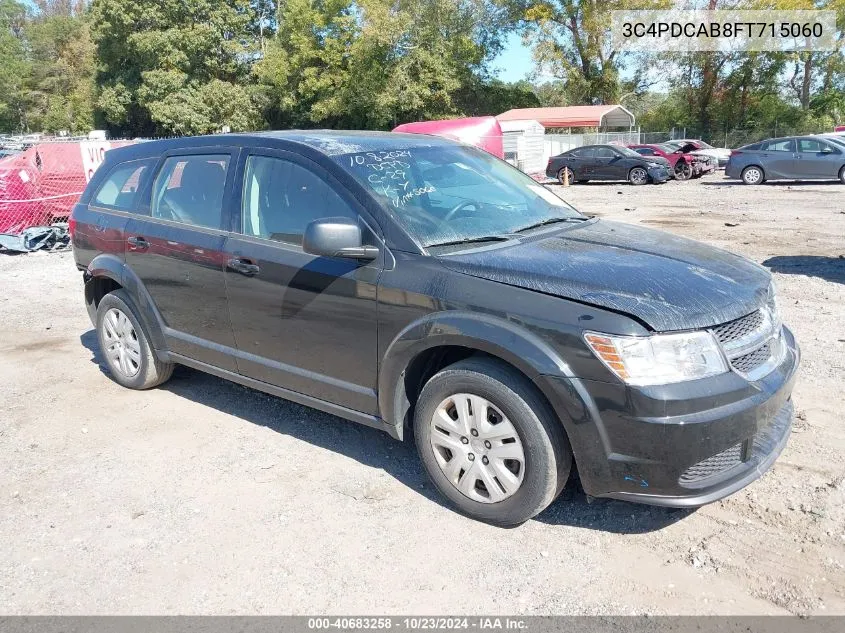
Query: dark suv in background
x,y
417,285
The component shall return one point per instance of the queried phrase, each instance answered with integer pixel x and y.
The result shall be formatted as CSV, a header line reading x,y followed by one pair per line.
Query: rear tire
x,y
842,175
516,446
753,175
560,175
125,345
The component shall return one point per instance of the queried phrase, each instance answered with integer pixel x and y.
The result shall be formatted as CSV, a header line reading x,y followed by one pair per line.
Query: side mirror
x,y
827,150
336,237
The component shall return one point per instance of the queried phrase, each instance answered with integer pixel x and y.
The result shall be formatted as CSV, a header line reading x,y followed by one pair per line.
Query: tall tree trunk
x,y
806,81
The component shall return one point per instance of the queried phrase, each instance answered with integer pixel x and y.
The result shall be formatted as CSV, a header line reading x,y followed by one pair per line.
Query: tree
x,y
14,66
61,85
176,66
377,63
572,43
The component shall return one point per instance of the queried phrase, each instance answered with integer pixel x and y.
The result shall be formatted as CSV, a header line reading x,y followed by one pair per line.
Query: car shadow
x,y
828,268
575,509
729,182
377,450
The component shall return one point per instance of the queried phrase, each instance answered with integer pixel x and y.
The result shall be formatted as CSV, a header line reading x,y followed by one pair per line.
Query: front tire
x,y
489,442
638,176
753,175
842,175
125,346
683,171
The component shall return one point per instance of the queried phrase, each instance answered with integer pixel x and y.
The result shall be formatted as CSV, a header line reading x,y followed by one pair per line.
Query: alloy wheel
x,y
560,175
122,348
477,448
752,175
683,171
639,176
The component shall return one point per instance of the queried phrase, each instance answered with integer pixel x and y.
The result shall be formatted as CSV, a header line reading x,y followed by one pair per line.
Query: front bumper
x,y
658,174
681,445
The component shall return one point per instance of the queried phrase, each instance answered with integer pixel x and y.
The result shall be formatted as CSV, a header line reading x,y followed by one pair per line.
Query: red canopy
x,y
482,131
573,116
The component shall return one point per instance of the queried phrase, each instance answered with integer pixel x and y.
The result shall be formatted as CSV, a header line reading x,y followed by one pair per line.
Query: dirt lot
x,y
205,497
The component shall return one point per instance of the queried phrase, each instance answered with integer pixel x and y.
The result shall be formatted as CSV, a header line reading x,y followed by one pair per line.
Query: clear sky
x,y
514,62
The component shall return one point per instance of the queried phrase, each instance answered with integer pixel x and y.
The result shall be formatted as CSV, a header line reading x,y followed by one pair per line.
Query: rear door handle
x,y
243,266
138,243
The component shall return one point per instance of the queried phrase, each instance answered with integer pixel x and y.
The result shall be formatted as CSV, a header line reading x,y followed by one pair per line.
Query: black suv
x,y
421,286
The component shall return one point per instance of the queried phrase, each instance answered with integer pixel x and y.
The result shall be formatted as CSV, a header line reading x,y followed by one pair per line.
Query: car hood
x,y
667,282
716,152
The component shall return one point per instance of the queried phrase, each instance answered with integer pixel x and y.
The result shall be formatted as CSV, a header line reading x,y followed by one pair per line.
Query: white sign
x,y
93,155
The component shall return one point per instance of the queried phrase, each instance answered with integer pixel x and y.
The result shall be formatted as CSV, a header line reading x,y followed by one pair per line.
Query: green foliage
x,y
175,66
376,63
153,67
14,66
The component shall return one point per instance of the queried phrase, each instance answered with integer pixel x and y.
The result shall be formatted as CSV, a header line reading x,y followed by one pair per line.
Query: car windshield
x,y
455,194
704,145
669,149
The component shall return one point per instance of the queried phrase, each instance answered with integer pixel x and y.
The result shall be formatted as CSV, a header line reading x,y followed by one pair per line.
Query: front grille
x,y
728,332
749,362
712,465
752,342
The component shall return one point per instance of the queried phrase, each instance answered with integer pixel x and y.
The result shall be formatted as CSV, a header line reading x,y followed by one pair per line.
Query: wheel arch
x,y
436,341
106,273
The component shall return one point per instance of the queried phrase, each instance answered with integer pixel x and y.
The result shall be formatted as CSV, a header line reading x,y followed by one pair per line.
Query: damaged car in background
x,y
607,162
432,291
683,164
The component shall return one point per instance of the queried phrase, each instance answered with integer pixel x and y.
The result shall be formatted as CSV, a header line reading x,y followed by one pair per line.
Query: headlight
x,y
659,359
774,307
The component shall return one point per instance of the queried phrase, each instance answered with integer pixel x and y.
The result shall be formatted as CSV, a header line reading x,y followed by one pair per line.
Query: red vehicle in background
x,y
41,184
684,165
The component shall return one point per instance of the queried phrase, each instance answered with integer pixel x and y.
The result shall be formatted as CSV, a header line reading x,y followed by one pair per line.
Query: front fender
x,y
114,268
481,332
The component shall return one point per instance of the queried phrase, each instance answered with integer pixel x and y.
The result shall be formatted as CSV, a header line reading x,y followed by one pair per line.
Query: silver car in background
x,y
790,158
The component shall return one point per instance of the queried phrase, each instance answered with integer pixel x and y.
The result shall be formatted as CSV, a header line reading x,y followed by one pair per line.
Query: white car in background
x,y
720,154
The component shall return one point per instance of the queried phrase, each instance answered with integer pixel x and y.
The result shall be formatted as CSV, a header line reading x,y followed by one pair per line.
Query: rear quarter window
x,y
120,188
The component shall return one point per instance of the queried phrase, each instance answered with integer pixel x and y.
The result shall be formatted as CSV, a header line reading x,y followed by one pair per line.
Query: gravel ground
x,y
205,497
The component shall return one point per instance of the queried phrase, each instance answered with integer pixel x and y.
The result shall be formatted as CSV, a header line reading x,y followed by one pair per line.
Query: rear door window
x,y
190,189
645,151
120,188
786,145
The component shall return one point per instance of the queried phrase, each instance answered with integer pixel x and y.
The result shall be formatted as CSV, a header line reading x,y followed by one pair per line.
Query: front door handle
x,y
243,266
138,243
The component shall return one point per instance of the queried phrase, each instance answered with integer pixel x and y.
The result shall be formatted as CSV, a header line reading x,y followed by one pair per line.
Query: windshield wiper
x,y
537,225
472,240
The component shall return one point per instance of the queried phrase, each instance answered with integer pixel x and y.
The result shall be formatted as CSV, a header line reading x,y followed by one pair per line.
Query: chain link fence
x,y
41,181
